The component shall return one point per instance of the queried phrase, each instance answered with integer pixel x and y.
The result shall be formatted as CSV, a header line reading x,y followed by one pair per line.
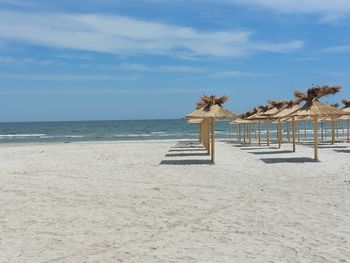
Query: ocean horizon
x,y
115,130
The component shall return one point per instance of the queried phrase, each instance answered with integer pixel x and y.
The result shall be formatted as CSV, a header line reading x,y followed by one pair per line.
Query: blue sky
x,y
141,59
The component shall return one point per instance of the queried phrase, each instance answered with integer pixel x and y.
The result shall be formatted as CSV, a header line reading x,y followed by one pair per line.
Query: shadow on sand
x,y
289,160
185,154
332,147
189,150
343,151
185,162
271,152
259,148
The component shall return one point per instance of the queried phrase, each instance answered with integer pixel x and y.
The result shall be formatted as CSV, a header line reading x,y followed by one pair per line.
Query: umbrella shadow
x,y
289,160
185,154
188,150
186,162
188,147
258,148
333,146
271,152
343,151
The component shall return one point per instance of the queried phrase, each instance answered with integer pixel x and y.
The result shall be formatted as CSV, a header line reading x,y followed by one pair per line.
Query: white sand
x,y
113,202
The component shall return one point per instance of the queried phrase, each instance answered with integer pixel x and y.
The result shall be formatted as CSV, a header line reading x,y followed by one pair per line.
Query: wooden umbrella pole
x,y
230,134
250,133
336,128
212,140
255,134
259,133
322,128
267,132
199,133
204,133
244,132
279,132
293,132
298,131
208,135
239,132
333,130
348,140
315,137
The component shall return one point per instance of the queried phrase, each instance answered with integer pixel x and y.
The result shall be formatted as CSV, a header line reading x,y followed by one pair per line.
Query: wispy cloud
x,y
127,91
337,49
171,69
65,77
306,59
126,35
235,74
330,9
25,61
16,3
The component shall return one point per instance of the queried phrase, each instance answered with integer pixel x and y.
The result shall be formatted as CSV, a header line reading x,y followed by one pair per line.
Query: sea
x,y
70,131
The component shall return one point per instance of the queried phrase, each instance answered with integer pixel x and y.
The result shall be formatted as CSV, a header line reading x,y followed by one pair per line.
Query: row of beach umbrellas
x,y
306,106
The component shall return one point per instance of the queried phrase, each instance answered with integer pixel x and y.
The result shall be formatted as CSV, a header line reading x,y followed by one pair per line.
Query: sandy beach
x,y
158,201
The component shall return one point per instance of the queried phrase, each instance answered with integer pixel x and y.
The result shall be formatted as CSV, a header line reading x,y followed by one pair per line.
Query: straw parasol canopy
x,y
258,115
208,109
211,107
313,106
292,106
276,106
346,110
315,109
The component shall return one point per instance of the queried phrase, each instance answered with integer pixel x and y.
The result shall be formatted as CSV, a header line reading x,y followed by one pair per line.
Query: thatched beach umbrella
x,y
242,121
346,109
284,114
197,121
259,117
276,107
315,109
210,108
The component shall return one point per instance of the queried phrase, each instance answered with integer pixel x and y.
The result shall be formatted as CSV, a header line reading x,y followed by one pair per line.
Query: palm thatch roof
x,y
260,110
211,107
313,107
241,121
316,108
346,104
292,107
276,106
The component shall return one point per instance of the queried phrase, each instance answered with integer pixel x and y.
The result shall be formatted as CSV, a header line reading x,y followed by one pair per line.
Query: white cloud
x,y
24,61
170,69
235,74
337,49
328,7
127,91
64,77
124,35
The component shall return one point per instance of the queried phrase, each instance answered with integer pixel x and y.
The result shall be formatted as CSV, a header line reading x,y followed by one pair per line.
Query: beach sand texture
x,y
116,202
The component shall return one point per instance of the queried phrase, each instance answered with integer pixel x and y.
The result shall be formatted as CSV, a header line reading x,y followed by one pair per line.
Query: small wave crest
x,y
21,135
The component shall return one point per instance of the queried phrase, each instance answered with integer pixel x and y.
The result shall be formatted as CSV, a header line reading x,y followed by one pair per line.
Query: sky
x,y
152,59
